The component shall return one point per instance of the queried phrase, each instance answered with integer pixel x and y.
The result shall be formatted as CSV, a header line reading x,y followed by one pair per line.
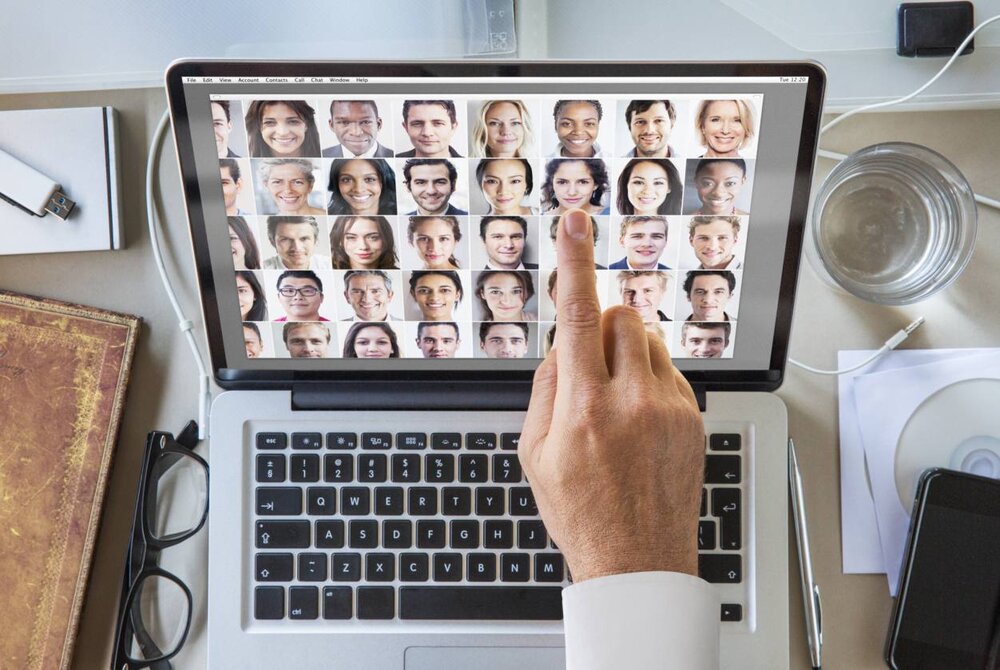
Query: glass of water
x,y
893,224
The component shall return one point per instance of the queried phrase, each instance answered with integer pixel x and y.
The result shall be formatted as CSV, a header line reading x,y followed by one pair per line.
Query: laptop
x,y
373,244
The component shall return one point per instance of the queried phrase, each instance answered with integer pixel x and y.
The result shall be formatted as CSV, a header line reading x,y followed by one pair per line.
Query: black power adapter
x,y
933,28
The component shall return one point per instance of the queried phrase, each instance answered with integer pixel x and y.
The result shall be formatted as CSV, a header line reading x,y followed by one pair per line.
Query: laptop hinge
x,y
412,395
700,397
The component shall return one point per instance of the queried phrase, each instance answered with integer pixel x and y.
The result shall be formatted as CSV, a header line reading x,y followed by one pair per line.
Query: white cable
x,y
204,390
889,103
981,199
889,345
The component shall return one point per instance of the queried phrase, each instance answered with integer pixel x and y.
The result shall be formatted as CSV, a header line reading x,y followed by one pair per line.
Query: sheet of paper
x,y
885,401
861,552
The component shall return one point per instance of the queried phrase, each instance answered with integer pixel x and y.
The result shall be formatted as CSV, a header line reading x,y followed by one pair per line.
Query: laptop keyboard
x,y
435,526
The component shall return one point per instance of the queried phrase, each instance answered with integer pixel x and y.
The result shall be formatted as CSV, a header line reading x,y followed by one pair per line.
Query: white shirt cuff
x,y
642,621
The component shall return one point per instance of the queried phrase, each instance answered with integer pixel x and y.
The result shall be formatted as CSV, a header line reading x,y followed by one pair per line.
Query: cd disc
x,y
958,427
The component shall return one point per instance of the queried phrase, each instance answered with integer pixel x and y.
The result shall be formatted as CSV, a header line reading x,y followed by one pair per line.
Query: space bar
x,y
543,603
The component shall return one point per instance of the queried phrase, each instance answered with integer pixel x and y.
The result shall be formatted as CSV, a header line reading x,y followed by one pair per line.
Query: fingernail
x,y
577,224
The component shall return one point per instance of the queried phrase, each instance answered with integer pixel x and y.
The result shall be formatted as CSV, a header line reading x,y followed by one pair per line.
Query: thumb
x,y
538,419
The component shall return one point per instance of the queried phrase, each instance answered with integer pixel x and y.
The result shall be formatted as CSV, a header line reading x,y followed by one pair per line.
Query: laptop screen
x,y
359,217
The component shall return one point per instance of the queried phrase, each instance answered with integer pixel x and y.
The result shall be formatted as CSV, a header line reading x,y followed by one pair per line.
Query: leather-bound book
x,y
63,373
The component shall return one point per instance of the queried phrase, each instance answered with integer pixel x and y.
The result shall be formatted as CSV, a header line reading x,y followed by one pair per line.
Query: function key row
x,y
376,468
337,441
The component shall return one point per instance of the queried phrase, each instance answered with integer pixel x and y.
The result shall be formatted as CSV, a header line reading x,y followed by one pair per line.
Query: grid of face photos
x,y
411,228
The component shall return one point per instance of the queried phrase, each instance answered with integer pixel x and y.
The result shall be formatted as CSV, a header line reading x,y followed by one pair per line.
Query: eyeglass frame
x,y
299,291
159,445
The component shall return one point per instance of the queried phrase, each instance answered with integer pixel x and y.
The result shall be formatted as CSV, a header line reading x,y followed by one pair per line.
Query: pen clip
x,y
819,612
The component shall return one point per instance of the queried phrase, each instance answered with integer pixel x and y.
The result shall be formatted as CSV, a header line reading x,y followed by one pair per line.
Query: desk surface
x,y
163,391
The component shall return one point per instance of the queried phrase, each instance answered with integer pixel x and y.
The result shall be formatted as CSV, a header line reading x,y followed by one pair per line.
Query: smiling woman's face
x,y
283,130
504,130
436,296
573,185
648,187
372,342
360,186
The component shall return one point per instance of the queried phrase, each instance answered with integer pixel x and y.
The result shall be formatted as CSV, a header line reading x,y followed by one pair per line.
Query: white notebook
x,y
77,147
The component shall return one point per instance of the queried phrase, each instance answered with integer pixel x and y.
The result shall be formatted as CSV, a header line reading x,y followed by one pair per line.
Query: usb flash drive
x,y
28,189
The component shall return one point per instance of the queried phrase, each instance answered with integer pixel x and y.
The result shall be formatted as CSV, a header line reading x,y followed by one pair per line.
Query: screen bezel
x,y
712,380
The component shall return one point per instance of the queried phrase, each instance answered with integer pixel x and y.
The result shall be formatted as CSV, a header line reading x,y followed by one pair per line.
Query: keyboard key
x,y
480,603
380,567
341,440
731,612
411,440
489,501
704,502
338,468
724,442
345,567
270,468
282,534
548,567
304,468
338,602
372,468
522,502
307,440
322,500
413,568
405,468
720,568
312,567
447,567
279,501
376,602
430,534
388,500
302,602
269,602
506,469
480,441
397,534
482,568
456,501
272,440
363,534
509,441
515,567
473,468
531,535
355,501
376,440
726,505
440,468
498,534
446,440
423,501
330,534
722,470
706,535
273,567
465,534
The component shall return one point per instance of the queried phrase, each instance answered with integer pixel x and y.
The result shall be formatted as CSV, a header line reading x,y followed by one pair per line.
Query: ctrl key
x,y
269,603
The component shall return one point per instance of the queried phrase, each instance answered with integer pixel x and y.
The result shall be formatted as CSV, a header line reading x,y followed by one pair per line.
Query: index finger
x,y
578,313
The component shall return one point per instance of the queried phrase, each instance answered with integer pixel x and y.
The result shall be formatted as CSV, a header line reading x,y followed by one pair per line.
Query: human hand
x,y
613,444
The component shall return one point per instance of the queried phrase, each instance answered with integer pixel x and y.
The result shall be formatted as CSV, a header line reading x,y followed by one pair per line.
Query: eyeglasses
x,y
154,612
305,291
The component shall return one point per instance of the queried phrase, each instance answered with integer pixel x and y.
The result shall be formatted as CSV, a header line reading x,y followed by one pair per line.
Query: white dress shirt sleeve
x,y
642,621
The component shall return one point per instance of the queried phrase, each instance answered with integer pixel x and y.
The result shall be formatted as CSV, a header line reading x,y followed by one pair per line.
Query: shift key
x,y
282,534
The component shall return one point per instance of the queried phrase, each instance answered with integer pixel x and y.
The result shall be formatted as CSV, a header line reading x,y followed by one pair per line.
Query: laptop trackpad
x,y
485,658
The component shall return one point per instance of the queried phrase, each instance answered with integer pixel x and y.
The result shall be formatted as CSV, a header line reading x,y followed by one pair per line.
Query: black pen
x,y
810,592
